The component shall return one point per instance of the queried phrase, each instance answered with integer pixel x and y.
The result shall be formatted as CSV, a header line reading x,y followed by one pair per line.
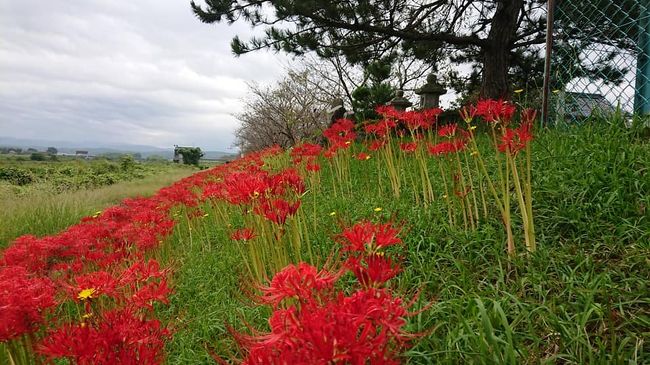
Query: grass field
x,y
40,211
581,298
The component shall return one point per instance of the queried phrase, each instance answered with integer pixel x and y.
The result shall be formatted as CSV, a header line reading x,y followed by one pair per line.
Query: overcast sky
x,y
122,72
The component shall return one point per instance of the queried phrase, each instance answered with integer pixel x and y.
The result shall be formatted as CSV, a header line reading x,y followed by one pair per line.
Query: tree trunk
x,y
496,53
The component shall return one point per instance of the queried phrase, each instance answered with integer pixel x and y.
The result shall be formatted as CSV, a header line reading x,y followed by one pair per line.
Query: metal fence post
x,y
642,88
547,60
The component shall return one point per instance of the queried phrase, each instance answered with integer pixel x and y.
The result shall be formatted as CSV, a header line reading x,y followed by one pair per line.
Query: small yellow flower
x,y
86,294
378,209
332,214
556,91
519,91
97,213
205,215
256,194
87,315
348,142
368,157
472,127
474,153
445,196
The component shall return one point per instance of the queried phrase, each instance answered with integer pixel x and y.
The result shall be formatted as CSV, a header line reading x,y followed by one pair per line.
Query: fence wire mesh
x,y
600,58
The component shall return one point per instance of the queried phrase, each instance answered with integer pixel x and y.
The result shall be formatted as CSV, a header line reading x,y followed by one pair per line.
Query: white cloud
x,y
119,72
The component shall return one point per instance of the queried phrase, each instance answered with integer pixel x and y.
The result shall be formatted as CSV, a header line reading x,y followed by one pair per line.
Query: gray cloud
x,y
116,72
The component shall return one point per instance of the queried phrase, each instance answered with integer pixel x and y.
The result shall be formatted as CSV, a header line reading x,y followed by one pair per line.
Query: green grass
x,y
583,297
40,211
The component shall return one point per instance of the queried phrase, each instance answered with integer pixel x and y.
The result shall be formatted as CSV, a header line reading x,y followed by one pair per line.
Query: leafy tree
x,y
52,151
499,39
191,155
283,114
366,97
363,30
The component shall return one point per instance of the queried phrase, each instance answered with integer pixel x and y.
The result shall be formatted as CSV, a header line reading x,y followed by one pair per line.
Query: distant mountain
x,y
100,148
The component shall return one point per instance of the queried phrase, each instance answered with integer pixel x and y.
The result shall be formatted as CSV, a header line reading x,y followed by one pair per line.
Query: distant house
x,y
578,106
83,154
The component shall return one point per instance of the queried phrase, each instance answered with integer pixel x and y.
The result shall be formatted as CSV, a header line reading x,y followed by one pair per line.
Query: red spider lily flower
x,y
277,210
341,133
447,147
366,236
467,113
100,282
141,272
242,187
243,234
431,115
514,140
382,128
312,166
287,178
388,112
415,120
528,116
23,301
376,145
301,282
408,147
363,328
305,150
155,291
330,152
362,156
117,337
495,110
448,130
373,270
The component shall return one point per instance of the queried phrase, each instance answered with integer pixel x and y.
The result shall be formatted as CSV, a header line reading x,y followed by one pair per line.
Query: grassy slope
x,y
40,212
582,298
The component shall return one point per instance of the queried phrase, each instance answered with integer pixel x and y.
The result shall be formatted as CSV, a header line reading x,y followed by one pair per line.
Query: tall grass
x,y
39,211
582,297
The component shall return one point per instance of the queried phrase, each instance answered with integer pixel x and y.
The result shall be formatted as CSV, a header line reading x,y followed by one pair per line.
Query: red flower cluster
x,y
23,299
315,323
495,110
119,337
271,195
514,140
447,147
408,147
341,134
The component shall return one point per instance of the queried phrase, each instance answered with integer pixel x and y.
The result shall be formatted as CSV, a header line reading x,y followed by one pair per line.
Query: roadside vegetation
x,y
343,252
43,198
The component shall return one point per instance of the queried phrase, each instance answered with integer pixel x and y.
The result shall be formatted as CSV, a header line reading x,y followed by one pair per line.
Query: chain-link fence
x,y
600,58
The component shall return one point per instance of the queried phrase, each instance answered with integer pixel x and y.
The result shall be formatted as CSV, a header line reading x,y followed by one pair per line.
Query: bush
x,y
37,156
16,176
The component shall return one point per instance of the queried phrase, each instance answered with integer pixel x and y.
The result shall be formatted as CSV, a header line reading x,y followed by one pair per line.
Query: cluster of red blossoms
x,y
100,265
340,136
103,256
313,322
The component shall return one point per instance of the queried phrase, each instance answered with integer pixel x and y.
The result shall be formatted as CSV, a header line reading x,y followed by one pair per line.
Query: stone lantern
x,y
430,93
399,102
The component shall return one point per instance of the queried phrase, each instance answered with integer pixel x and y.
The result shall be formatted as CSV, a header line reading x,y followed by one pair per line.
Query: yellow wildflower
x,y
333,214
378,209
519,91
86,294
